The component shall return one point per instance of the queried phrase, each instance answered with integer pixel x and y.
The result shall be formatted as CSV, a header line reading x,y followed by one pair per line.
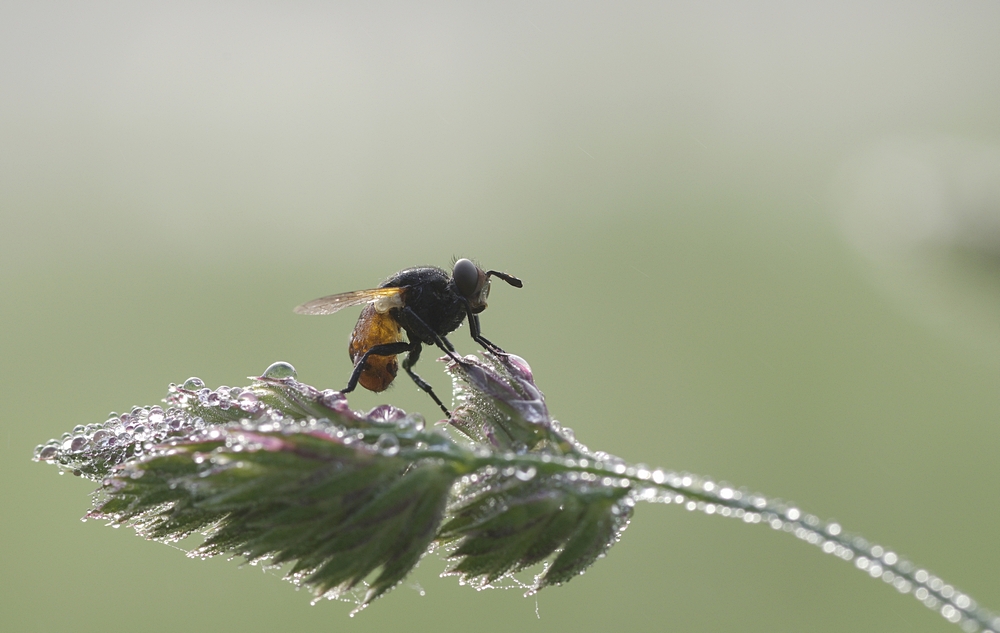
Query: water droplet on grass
x,y
279,371
412,424
247,400
525,473
385,413
156,415
193,384
388,444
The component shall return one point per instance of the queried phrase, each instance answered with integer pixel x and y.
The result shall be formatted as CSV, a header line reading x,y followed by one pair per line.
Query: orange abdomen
x,y
375,328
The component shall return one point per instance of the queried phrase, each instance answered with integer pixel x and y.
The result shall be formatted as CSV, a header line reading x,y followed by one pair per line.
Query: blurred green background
x,y
759,242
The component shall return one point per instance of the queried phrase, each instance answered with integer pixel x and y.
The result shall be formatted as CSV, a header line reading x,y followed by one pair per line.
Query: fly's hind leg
x,y
411,359
385,349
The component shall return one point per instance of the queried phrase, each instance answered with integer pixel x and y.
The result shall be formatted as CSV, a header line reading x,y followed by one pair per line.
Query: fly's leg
x,y
385,349
424,332
411,359
391,349
477,334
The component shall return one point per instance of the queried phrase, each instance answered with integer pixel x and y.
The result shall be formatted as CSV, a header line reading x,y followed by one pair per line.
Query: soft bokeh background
x,y
760,242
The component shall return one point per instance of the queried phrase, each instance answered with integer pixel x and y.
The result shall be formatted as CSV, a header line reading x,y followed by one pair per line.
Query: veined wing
x,y
384,298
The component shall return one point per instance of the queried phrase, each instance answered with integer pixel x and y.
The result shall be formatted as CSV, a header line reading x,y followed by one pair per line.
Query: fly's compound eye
x,y
466,276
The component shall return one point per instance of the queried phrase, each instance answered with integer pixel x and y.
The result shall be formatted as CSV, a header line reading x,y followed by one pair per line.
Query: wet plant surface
x,y
346,503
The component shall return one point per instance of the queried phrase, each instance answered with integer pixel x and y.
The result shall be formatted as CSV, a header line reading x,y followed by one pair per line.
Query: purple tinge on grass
x,y
506,379
191,408
497,403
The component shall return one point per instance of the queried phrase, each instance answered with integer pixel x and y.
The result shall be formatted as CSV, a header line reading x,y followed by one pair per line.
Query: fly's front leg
x,y
477,334
424,332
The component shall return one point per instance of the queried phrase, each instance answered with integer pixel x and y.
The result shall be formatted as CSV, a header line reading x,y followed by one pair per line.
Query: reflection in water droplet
x,y
48,452
279,371
525,473
334,400
521,366
156,415
247,401
385,413
411,424
193,384
388,444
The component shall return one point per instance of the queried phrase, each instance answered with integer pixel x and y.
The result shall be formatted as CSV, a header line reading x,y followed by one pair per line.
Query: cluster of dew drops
x,y
132,434
92,447
127,435
120,437
697,494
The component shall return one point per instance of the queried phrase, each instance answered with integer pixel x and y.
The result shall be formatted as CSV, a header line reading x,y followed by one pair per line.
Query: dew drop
x,y
247,400
333,400
412,423
156,415
388,444
193,384
279,371
48,452
79,443
525,473
520,365
385,413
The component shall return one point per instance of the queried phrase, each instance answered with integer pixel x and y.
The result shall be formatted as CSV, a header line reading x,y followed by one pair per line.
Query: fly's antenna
x,y
511,279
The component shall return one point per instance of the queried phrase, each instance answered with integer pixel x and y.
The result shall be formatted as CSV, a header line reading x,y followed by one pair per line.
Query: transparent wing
x,y
333,303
